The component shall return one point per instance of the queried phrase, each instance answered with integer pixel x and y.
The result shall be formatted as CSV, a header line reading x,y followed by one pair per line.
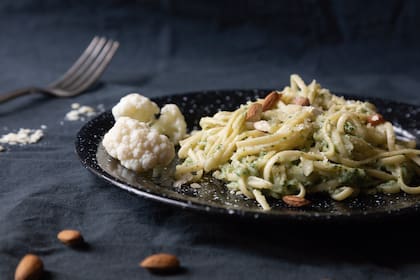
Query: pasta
x,y
304,140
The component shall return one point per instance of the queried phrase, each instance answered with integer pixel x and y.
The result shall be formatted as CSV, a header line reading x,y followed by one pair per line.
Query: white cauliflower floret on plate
x,y
171,123
137,107
137,146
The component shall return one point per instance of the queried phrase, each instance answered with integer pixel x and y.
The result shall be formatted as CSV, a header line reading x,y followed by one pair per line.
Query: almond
x,y
29,267
376,119
302,101
270,100
263,126
254,112
161,262
295,201
70,237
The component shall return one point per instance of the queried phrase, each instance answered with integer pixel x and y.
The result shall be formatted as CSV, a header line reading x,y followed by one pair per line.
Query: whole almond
x,y
254,112
295,201
376,119
70,237
30,267
270,100
302,101
161,262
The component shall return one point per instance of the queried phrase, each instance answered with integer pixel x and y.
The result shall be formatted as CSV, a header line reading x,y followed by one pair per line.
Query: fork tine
x,y
76,74
82,58
88,77
90,57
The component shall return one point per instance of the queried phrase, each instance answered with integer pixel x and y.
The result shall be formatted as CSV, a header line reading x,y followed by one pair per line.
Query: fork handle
x,y
18,92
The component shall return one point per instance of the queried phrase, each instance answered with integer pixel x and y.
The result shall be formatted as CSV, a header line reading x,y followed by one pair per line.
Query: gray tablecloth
x,y
167,47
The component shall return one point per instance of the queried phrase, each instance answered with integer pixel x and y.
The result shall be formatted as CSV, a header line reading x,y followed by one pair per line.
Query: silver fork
x,y
85,71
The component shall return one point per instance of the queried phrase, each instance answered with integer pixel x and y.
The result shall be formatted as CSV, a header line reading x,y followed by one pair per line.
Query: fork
x,y
85,71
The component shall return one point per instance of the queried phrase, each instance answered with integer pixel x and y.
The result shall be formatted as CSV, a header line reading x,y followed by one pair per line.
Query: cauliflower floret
x,y
137,146
171,123
137,107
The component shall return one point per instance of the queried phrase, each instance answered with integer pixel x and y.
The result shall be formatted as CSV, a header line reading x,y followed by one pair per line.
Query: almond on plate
x,y
254,112
295,201
302,101
376,119
270,100
263,126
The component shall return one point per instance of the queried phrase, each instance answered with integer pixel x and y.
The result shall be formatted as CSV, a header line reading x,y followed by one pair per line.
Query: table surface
x,y
167,49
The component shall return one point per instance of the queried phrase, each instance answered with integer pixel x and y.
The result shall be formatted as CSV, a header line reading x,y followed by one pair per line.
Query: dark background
x,y
367,48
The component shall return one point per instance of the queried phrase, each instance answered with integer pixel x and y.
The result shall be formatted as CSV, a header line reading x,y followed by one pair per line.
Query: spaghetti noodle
x,y
309,141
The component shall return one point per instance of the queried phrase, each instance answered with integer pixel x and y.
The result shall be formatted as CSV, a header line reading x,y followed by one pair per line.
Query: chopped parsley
x,y
349,128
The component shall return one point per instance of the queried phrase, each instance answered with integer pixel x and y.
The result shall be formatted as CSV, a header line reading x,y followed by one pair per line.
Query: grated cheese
x,y
80,112
23,136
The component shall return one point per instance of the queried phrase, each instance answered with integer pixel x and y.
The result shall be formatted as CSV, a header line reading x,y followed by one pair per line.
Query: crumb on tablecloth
x,y
23,136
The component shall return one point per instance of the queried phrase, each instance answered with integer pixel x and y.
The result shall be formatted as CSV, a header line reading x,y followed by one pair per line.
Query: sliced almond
x,y
29,267
70,237
376,119
302,101
270,100
295,201
161,262
254,112
263,126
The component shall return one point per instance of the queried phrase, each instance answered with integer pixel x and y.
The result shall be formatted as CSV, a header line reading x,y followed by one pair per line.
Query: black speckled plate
x,y
213,196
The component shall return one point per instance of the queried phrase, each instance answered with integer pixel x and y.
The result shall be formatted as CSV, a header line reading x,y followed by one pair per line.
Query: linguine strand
x,y
329,146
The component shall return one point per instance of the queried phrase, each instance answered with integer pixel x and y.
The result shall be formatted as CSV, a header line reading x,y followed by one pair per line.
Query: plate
x,y
213,197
